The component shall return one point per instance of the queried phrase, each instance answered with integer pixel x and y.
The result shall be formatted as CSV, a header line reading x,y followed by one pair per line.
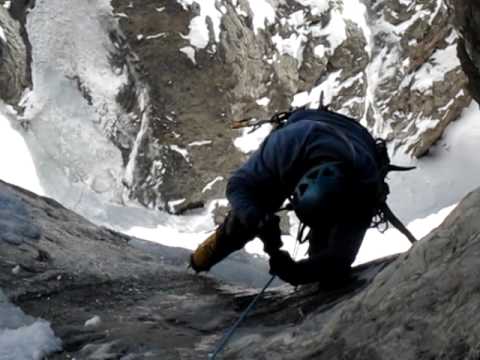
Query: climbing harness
x,y
234,327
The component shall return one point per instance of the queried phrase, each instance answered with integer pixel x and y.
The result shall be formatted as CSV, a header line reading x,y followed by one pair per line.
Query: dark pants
x,y
233,234
339,242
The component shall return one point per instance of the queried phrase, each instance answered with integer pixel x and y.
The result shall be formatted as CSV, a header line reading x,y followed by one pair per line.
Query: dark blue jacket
x,y
270,175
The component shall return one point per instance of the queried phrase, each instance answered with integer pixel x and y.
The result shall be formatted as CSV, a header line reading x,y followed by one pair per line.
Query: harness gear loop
x,y
234,327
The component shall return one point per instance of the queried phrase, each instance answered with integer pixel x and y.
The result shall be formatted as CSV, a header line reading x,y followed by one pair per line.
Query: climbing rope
x,y
223,342
234,327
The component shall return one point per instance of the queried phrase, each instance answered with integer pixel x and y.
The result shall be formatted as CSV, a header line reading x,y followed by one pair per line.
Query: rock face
x,y
420,306
13,60
58,266
421,86
178,73
89,282
394,67
467,18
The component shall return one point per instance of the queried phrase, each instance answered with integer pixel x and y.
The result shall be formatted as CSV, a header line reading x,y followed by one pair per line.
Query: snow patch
x,y
263,13
200,143
442,62
329,87
199,34
190,52
172,204
2,35
186,231
181,151
93,322
23,337
209,186
250,141
293,46
317,6
263,101
156,36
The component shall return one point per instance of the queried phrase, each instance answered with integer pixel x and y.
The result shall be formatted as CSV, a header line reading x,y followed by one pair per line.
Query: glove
x,y
283,266
270,234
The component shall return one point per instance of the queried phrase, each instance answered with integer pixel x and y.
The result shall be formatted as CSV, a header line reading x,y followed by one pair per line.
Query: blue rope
x,y
232,329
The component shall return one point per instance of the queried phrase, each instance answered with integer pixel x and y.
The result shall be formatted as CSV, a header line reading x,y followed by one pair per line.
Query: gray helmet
x,y
320,194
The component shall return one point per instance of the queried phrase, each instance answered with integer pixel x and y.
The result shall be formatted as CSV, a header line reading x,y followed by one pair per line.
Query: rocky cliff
x,y
154,86
142,303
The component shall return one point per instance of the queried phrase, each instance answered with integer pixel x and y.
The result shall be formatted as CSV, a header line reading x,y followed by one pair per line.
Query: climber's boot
x,y
211,251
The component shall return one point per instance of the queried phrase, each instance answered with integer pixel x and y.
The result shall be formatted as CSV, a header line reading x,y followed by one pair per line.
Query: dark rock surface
x,y
421,304
69,271
13,59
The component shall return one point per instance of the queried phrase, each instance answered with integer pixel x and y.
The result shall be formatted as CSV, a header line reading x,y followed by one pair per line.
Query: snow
x,y
441,63
16,270
263,101
93,322
444,176
293,46
200,143
181,151
2,35
23,337
20,168
199,34
263,13
173,203
249,142
329,87
190,52
317,6
156,36
209,186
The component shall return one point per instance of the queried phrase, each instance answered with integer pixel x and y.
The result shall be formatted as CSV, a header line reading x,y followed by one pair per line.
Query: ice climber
x,y
331,170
